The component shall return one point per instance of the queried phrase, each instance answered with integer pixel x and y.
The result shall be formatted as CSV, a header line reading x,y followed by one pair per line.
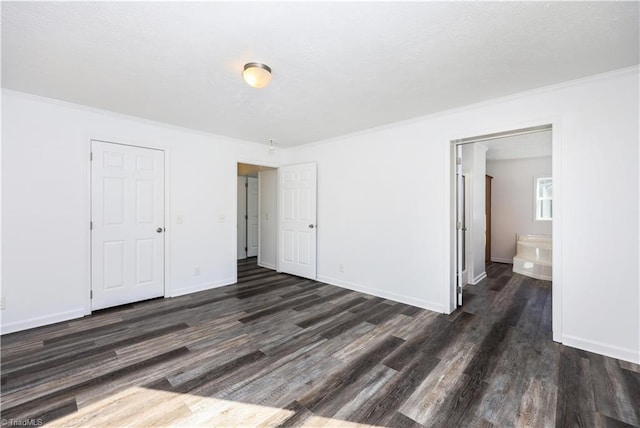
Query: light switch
x,y
221,218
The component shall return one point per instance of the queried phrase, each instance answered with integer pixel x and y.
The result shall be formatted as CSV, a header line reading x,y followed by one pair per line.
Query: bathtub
x,y
533,256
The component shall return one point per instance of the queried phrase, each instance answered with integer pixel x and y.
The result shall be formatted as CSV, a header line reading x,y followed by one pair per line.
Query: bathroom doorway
x,y
515,160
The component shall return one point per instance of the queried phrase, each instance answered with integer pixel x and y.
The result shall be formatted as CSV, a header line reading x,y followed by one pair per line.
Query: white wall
x,y
474,162
384,207
513,203
45,202
268,180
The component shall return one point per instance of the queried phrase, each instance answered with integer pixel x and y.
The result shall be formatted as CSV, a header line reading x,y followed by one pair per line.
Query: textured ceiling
x,y
338,67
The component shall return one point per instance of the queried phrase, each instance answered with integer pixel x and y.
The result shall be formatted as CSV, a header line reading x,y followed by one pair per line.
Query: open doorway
x,y
519,166
286,226
256,214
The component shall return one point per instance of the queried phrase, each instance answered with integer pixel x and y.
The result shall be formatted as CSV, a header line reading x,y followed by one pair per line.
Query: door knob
x,y
311,226
159,230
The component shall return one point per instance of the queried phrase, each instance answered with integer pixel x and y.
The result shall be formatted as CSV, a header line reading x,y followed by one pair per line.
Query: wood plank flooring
x,y
277,350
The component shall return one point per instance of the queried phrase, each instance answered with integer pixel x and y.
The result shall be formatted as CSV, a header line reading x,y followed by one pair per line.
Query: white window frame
x,y
537,200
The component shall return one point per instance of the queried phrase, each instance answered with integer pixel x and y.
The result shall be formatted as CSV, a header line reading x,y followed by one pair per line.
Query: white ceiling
x,y
338,67
533,145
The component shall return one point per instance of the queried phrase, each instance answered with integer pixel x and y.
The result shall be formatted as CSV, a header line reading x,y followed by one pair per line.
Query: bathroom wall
x,y
513,204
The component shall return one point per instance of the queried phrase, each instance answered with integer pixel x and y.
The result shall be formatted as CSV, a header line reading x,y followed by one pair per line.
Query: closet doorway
x,y
256,214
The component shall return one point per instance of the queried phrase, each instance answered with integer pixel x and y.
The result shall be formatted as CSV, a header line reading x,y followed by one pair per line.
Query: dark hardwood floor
x,y
277,350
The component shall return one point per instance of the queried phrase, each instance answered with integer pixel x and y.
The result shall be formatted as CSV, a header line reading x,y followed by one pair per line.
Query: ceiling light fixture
x,y
272,148
256,74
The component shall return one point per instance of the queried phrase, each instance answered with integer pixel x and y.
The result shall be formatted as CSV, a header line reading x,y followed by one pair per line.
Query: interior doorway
x,y
256,214
470,216
286,217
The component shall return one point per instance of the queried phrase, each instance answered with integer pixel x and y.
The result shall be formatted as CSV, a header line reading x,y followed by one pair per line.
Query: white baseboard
x,y
6,328
501,260
202,287
424,304
267,265
41,321
625,354
478,278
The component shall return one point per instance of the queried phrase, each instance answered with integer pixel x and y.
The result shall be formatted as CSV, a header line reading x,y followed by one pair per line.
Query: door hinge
x,y
459,289
246,217
246,184
90,156
91,294
245,249
90,225
458,161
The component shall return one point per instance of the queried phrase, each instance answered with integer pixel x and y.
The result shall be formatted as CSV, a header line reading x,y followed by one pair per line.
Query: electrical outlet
x,y
340,268
2,303
196,271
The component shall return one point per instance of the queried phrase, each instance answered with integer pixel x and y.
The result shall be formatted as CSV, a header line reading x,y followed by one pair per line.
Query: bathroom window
x,y
544,198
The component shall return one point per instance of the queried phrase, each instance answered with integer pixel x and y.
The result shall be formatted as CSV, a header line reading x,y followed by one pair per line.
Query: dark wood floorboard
x,y
278,350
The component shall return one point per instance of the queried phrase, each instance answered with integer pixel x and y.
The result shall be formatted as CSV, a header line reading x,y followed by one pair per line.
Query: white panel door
x,y
127,236
297,220
242,218
252,217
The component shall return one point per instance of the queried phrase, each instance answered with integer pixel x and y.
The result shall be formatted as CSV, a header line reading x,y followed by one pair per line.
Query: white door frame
x,y
87,210
449,303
